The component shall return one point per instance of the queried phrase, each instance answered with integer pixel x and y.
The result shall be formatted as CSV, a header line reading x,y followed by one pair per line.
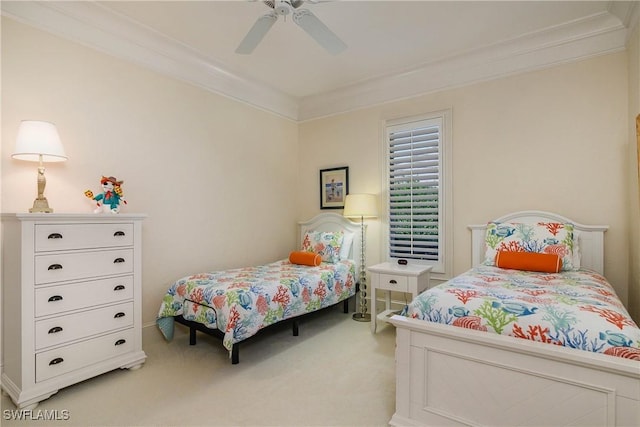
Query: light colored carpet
x,y
335,373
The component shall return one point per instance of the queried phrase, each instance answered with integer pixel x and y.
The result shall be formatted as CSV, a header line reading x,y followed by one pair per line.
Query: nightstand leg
x,y
374,313
387,297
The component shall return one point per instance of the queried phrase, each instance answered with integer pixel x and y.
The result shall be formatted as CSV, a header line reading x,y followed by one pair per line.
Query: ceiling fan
x,y
302,17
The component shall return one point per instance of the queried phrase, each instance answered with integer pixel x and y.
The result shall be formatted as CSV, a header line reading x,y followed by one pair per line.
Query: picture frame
x,y
334,186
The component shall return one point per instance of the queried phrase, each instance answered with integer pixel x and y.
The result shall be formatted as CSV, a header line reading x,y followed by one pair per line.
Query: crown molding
x,y
95,26
627,11
595,35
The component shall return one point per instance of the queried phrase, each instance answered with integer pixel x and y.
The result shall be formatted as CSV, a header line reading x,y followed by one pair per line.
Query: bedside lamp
x,y
361,206
39,141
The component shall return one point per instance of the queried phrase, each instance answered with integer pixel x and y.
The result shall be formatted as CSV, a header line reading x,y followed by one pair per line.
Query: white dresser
x,y
71,300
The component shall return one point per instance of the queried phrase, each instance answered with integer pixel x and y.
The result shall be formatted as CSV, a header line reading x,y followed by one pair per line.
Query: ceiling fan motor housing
x,y
284,7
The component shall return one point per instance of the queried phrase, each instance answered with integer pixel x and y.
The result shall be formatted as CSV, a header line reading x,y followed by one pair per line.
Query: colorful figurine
x,y
111,197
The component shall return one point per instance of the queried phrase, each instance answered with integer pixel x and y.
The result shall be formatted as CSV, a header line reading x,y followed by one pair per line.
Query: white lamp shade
x,y
37,138
360,206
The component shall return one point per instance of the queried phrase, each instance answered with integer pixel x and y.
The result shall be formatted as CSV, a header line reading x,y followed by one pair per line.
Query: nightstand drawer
x,y
61,298
62,329
59,237
63,360
70,266
393,282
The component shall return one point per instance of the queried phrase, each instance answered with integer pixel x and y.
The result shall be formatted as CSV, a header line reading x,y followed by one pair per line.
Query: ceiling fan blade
x,y
320,32
257,33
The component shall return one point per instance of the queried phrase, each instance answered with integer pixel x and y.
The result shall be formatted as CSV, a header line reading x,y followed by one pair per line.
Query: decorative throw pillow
x,y
305,258
542,237
327,244
529,261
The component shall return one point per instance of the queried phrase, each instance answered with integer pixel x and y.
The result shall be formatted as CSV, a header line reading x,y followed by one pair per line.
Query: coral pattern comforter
x,y
577,309
242,301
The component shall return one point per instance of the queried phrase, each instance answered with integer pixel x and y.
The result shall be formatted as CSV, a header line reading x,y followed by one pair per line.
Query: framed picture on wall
x,y
334,186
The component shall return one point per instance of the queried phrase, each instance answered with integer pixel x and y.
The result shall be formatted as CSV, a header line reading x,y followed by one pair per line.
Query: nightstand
x,y
412,279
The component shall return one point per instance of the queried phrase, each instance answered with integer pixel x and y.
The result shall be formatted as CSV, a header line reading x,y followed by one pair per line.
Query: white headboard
x,y
334,222
590,237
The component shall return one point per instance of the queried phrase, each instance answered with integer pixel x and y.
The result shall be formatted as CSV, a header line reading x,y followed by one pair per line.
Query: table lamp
x,y
361,206
39,141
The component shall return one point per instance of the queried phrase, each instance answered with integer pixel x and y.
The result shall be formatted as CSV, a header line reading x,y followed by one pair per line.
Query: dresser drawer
x,y
61,298
52,268
393,282
59,237
66,359
62,329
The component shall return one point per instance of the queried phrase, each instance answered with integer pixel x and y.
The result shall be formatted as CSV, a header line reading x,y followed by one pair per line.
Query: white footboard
x,y
447,375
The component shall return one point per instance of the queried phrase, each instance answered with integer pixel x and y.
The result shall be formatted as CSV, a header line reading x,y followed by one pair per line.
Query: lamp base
x,y
41,206
362,317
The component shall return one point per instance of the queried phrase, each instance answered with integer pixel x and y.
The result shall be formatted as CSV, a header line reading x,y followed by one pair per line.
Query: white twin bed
x,y
236,304
448,375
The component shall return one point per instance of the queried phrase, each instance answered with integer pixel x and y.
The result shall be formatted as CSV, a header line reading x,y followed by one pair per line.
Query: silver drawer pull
x,y
119,288
55,298
120,342
118,234
55,236
118,260
56,361
55,267
393,282
55,330
118,315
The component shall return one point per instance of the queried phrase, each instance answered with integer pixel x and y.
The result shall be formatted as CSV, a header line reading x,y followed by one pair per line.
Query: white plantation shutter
x,y
415,188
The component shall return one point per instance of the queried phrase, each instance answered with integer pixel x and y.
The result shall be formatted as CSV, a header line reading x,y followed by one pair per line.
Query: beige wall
x,y
214,175
633,52
211,173
553,140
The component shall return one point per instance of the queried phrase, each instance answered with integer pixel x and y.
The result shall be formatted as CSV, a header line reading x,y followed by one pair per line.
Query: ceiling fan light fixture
x,y
293,3
304,18
282,8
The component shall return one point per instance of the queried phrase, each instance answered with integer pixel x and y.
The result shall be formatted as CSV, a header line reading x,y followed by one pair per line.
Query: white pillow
x,y
347,241
576,249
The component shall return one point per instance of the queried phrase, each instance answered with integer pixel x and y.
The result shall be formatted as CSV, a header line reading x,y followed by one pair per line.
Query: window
x,y
417,187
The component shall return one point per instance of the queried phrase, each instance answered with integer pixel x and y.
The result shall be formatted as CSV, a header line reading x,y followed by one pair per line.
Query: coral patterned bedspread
x,y
242,301
577,309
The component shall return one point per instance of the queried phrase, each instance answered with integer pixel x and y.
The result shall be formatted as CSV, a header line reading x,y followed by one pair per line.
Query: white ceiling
x,y
396,49
384,38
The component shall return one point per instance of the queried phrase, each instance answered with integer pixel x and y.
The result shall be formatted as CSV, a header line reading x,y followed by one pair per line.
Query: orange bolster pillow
x,y
305,258
529,261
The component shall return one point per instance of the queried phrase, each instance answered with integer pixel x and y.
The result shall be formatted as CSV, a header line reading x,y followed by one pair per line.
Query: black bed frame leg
x,y
235,354
295,328
345,306
192,335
